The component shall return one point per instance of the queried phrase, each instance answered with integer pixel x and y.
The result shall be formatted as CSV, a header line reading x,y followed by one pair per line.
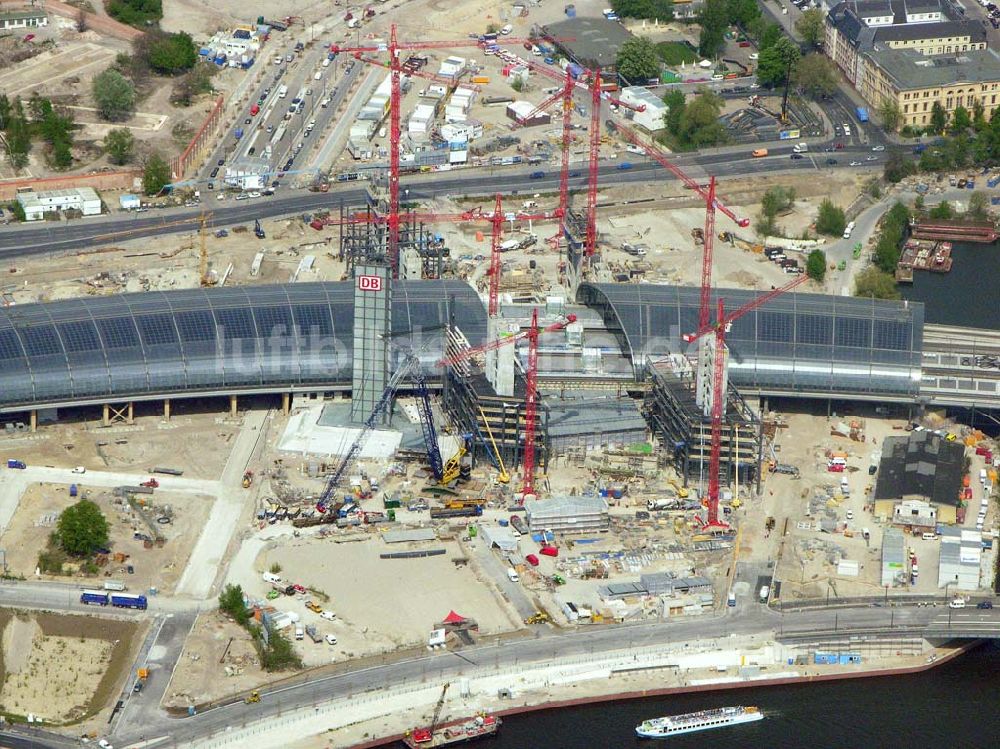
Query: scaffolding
x,y
364,236
686,433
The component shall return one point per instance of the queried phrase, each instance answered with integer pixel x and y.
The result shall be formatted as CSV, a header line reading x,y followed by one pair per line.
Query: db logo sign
x,y
370,283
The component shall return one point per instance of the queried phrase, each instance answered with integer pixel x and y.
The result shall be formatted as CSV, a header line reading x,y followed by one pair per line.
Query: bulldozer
x,y
251,698
539,617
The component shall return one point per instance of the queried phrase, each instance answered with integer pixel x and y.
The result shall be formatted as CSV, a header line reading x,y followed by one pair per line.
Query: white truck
x,y
283,91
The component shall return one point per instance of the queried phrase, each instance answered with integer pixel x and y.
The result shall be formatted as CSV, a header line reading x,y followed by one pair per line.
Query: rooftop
x,y
17,15
942,29
908,69
921,464
566,506
597,40
644,95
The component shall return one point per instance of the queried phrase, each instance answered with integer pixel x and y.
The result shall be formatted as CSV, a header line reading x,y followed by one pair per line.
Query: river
x,y
948,706
968,296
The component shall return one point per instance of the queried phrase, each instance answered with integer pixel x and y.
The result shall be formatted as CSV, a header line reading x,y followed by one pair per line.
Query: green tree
x,y
18,136
979,205
4,111
699,123
769,36
777,61
875,283
171,53
939,118
898,167
918,203
135,12
961,121
714,20
114,95
231,602
942,210
119,145
811,26
278,654
82,529
830,219
637,60
815,76
674,100
890,114
816,265
776,200
979,123
155,175
742,12
660,10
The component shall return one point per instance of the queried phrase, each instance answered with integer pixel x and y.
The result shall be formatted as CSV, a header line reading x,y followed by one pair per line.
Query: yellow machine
x,y
453,468
682,492
539,617
503,477
254,696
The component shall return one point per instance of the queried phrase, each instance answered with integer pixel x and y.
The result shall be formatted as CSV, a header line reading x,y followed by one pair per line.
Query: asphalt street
x,y
29,240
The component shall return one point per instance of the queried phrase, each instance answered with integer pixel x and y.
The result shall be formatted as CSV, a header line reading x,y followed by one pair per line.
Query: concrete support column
x,y
131,414
33,420
106,418
286,402
232,406
166,409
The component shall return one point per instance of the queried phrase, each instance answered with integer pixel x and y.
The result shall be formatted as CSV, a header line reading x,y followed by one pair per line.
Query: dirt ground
x,y
202,674
61,667
158,567
382,604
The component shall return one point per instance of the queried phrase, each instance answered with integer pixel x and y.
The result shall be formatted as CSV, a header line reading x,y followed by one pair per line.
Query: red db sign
x,y
370,283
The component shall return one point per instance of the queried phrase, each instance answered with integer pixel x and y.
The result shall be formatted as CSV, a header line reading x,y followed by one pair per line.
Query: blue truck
x,y
94,598
12,463
129,601
862,114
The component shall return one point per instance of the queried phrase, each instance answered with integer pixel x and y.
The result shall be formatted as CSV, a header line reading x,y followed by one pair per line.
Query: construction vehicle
x,y
258,230
455,469
502,476
539,617
151,483
251,698
247,479
682,491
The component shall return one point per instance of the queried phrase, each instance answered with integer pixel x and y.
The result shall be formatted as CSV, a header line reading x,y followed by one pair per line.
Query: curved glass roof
x,y
204,340
802,342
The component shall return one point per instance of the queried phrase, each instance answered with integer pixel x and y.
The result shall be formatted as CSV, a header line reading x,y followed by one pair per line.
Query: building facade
x,y
916,81
37,204
23,19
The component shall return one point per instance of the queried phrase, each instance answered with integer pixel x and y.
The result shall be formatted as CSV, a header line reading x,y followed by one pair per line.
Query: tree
x,y
939,118
119,145
714,20
637,60
890,114
961,121
776,62
942,210
816,265
876,284
171,53
979,123
769,36
898,167
155,175
80,20
811,26
231,602
82,529
675,109
660,10
815,76
742,12
135,12
831,219
114,95
979,204
776,200
918,203
699,122
18,135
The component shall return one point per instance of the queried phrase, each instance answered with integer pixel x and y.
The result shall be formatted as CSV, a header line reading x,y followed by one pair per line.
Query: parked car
x,y
984,605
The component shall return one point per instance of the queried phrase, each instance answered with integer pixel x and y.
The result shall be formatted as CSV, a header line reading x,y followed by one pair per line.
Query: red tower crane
x,y
719,328
394,47
531,384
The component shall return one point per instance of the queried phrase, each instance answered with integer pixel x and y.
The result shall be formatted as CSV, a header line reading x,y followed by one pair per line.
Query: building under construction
x,y
685,432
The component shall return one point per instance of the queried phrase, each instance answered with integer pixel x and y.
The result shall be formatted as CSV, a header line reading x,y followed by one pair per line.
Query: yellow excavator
x,y
682,492
453,468
253,697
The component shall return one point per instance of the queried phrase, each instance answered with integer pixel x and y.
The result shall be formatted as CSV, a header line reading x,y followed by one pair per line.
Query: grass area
x,y
674,53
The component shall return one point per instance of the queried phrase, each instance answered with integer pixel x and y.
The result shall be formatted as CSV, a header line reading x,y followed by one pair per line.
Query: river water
x,y
968,296
951,706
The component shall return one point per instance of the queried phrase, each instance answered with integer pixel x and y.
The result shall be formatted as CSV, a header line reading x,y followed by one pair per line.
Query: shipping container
x,y
114,585
167,471
94,597
127,601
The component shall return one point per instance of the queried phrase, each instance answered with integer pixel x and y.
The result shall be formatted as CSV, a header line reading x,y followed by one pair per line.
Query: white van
x,y
929,537
512,575
271,578
300,632
506,29
765,592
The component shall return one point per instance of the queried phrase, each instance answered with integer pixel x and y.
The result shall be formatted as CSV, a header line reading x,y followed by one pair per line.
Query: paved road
x,y
546,649
26,240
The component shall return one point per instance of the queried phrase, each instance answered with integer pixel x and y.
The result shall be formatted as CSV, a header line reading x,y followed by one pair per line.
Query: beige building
x,y
929,27
915,81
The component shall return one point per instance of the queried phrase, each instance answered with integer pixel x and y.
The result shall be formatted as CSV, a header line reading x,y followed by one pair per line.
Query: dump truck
x,y
247,479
